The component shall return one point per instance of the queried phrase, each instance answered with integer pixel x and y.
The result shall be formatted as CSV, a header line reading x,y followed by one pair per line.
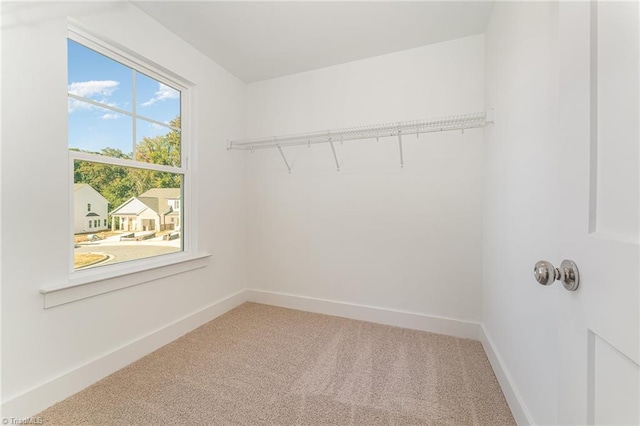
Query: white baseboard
x,y
65,385
511,394
433,324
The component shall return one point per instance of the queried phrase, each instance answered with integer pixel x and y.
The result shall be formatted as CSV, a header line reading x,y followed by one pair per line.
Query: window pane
x,y
99,130
157,144
96,77
135,214
156,100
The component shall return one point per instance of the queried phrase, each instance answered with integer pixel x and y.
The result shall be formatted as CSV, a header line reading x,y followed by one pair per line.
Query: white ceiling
x,y
261,40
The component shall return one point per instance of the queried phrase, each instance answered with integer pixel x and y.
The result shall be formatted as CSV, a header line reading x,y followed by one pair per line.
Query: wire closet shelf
x,y
375,131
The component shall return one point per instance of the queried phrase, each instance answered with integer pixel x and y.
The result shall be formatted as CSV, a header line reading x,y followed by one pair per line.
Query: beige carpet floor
x,y
260,364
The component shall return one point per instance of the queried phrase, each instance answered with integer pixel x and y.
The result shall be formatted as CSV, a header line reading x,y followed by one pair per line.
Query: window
x,y
126,144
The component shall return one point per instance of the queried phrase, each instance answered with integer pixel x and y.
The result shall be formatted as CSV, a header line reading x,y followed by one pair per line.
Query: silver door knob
x,y
545,273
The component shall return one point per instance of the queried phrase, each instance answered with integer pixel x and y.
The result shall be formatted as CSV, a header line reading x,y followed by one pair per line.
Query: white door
x,y
599,324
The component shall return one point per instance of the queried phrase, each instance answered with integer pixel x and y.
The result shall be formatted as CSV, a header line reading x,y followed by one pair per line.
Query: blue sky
x,y
96,77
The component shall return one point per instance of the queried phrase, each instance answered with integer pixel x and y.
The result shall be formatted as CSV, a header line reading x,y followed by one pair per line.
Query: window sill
x,y
95,282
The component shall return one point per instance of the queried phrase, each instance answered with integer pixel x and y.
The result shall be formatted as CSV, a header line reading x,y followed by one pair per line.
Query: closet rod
x,y
441,124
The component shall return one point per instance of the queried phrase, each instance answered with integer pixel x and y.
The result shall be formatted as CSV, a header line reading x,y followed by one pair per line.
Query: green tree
x,y
161,149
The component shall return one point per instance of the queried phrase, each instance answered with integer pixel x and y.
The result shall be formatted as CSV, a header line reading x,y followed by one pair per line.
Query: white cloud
x,y
91,90
110,116
164,92
87,89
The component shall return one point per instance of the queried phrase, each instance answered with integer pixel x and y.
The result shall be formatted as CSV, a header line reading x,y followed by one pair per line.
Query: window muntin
x,y
157,144
126,146
113,108
156,100
105,80
108,129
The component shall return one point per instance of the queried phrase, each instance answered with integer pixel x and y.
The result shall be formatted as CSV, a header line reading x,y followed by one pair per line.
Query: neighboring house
x,y
157,209
90,209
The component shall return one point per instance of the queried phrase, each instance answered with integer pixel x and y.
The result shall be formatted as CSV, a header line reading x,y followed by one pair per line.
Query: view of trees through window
x,y
125,142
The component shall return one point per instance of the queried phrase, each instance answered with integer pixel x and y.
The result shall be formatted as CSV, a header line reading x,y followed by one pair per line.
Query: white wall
x,y
39,345
521,200
373,233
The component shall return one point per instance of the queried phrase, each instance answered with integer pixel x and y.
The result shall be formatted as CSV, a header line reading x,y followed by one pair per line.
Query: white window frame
x,y
107,278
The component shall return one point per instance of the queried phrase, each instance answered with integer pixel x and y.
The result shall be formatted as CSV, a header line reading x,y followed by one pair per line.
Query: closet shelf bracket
x,y
335,157
286,163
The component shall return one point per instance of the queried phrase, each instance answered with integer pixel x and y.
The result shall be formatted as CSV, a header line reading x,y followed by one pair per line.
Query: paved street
x,y
129,250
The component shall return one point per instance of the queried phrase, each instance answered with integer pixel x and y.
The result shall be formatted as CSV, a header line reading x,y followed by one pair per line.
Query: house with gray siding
x,y
157,209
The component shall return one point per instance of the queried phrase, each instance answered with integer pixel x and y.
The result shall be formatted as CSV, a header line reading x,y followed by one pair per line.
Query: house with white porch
x,y
90,209
157,209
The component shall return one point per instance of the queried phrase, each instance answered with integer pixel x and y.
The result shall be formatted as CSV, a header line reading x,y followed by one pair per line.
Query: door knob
x,y
545,273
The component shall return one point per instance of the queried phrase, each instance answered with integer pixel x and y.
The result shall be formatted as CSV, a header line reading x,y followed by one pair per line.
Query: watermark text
x,y
22,420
